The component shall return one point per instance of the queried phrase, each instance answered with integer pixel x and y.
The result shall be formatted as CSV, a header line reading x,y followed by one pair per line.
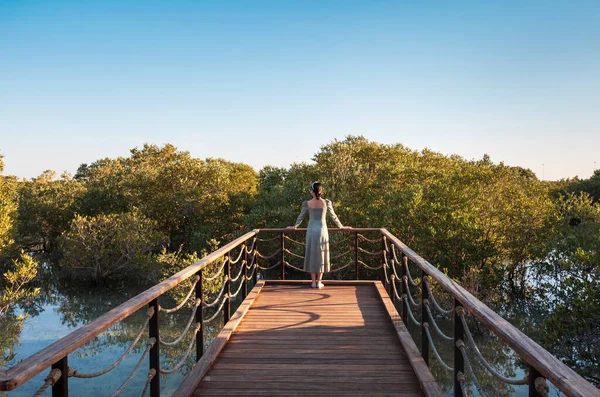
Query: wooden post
x,y
424,319
227,307
282,247
356,255
459,362
199,317
245,264
404,305
533,375
155,350
61,387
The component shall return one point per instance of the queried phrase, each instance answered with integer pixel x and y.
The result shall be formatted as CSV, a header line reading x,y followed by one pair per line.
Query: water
x,y
62,310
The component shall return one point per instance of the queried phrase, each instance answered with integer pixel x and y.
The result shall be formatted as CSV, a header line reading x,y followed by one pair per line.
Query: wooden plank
x,y
31,366
426,379
337,352
567,380
191,381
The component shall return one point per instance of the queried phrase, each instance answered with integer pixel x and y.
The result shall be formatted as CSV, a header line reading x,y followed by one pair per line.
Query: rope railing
x,y
252,247
185,355
266,257
149,346
363,264
434,323
237,291
410,298
431,296
293,254
269,267
461,346
240,272
434,350
211,318
76,374
385,273
216,274
340,255
410,313
462,381
184,301
292,266
364,251
251,275
236,260
50,380
461,314
185,330
288,238
151,375
214,302
363,238
267,239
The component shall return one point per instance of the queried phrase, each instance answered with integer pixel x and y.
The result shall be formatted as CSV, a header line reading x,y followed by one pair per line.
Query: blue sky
x,y
269,82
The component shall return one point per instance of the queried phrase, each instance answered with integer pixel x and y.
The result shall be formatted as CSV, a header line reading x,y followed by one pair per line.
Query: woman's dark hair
x,y
317,189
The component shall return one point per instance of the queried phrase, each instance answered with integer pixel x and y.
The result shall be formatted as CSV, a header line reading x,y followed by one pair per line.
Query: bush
x,y
102,246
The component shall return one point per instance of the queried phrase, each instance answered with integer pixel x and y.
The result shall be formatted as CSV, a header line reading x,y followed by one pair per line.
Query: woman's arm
x,y
333,215
302,214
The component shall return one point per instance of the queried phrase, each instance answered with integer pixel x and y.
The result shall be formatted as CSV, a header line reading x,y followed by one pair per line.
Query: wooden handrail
x,y
335,229
563,377
33,365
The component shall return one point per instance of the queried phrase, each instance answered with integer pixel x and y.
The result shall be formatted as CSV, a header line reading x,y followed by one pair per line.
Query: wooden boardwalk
x,y
295,340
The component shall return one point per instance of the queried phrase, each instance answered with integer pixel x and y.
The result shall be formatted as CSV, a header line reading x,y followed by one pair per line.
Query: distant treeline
x,y
487,225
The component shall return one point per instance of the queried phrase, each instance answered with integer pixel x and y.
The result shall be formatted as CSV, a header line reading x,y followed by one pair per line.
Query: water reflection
x,y
63,308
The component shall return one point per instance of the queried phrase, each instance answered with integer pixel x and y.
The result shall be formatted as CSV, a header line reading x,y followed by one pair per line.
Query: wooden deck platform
x,y
295,340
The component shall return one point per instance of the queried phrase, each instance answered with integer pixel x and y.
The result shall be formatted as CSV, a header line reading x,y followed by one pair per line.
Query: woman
x,y
316,254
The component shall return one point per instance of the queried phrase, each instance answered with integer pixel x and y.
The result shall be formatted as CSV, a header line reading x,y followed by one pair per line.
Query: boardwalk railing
x,y
392,264
237,265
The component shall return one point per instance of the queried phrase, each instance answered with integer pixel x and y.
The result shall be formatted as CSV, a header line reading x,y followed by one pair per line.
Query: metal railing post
x,y
199,317
155,350
356,255
459,362
282,247
61,387
245,264
255,261
404,305
383,270
227,308
424,319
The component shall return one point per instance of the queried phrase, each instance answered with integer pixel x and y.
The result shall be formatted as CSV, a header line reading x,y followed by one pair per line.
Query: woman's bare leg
x,y
319,277
313,276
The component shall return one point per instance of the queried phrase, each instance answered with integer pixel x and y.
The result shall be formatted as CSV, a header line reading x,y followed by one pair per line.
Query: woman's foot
x,y
313,285
320,285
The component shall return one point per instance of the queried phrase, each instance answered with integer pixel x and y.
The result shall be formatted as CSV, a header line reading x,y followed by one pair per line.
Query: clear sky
x,y
269,82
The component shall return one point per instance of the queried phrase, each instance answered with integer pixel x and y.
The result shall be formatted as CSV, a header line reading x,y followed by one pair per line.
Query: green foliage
x,y
110,245
47,206
572,274
173,262
590,186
